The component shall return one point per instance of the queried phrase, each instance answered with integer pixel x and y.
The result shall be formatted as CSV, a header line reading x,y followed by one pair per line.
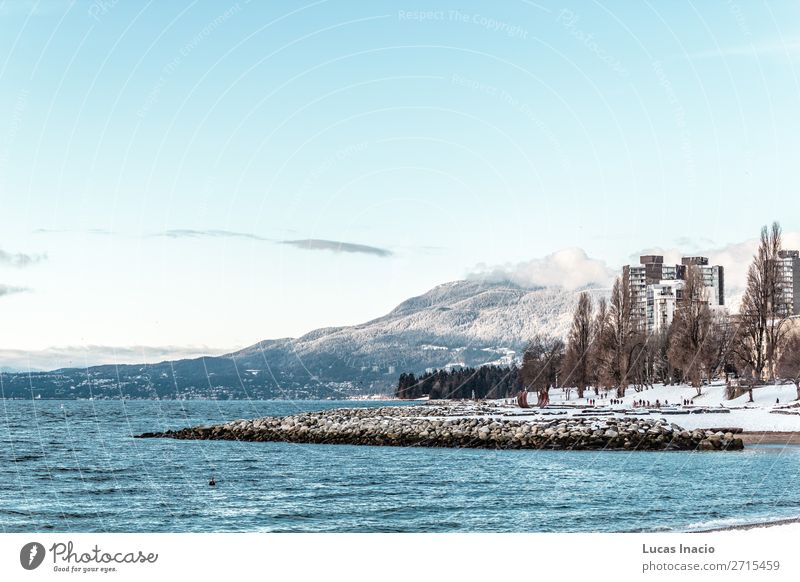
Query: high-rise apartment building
x,y
662,299
789,273
713,278
656,288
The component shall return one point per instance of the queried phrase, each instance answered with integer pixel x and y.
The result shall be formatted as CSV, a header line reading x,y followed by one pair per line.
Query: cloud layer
x,y
569,268
94,355
19,259
210,233
316,244
9,290
306,244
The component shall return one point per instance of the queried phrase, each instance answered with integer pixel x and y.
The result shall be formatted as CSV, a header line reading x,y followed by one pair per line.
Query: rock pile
x,y
438,427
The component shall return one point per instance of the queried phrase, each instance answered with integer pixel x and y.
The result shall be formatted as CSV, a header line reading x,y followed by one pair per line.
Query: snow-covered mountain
x,y
462,322
471,322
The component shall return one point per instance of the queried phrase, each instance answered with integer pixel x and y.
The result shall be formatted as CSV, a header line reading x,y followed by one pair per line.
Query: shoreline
x,y
767,437
755,525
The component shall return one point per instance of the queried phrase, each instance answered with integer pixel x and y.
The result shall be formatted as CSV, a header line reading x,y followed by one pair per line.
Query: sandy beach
x,y
770,438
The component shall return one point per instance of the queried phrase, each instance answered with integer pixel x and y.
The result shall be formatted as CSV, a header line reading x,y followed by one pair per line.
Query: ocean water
x,y
69,466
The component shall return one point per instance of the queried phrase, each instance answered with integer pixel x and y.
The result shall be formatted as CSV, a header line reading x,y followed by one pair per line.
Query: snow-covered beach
x,y
774,408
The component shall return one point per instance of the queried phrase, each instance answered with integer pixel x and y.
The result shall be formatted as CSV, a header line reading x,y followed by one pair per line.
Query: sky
x,y
192,177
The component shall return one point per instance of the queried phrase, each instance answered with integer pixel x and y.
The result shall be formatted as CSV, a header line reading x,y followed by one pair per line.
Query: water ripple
x,y
76,468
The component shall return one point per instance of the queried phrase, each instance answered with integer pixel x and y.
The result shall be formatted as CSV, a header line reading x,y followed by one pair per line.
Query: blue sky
x,y
159,162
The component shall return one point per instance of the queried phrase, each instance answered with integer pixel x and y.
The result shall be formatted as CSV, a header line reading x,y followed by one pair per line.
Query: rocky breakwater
x,y
448,427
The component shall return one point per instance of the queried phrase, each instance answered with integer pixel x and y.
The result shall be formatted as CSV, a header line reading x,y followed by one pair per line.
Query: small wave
x,y
26,458
74,515
16,512
738,522
94,472
113,491
654,529
297,515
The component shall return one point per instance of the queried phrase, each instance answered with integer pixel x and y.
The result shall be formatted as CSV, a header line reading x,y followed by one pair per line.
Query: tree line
x,y
461,383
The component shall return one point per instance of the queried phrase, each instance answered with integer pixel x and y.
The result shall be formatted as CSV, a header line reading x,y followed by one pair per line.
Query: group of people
x,y
641,403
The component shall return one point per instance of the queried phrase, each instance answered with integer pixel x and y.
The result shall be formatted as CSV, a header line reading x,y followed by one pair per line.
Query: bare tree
x,y
718,353
789,362
779,310
662,370
691,327
541,363
639,359
598,353
763,313
576,367
654,363
616,349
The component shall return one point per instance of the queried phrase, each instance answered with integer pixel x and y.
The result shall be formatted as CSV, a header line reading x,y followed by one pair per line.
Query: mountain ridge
x,y
468,322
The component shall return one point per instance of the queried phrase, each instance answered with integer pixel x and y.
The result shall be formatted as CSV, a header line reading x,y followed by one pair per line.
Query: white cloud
x,y
315,244
9,289
569,268
308,244
209,233
19,259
